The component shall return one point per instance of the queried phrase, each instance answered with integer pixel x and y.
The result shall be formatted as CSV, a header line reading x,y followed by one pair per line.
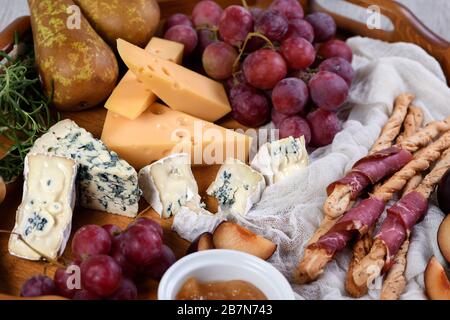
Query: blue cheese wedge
x,y
191,221
279,159
105,182
168,184
44,218
237,187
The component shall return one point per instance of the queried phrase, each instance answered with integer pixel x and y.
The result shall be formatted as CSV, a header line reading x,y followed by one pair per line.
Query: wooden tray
x,y
14,271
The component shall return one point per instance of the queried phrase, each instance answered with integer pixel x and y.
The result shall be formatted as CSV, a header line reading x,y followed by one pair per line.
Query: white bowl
x,y
225,265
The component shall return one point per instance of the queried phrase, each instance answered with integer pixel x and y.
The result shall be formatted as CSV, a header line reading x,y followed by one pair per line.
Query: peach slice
x,y
232,236
444,238
437,284
203,242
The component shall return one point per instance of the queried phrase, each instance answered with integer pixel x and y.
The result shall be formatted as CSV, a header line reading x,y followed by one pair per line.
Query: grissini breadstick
x,y
362,217
413,121
395,282
397,226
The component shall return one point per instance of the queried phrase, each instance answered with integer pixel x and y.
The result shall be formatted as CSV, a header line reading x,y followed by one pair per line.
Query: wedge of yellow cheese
x,y
130,98
160,131
180,88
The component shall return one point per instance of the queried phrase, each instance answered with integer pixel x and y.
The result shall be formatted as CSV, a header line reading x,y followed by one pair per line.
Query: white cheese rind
x,y
237,187
168,184
44,217
190,222
105,182
279,159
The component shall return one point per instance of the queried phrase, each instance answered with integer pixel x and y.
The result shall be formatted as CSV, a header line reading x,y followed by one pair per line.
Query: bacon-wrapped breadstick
x,y
375,167
341,200
400,220
413,122
362,217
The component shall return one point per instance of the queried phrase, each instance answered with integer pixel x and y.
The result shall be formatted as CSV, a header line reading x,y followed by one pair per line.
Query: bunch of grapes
x,y
276,63
109,260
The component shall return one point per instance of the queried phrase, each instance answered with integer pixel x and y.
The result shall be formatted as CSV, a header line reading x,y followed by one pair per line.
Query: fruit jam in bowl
x,y
213,266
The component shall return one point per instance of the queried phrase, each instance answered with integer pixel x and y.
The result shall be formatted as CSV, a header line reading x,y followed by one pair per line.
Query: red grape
x,y
328,90
277,117
291,9
250,107
206,14
323,25
290,96
300,28
184,35
205,38
271,24
295,126
128,269
339,66
90,240
298,52
235,24
177,19
218,60
61,279
264,68
256,12
335,48
101,275
84,294
112,230
239,88
141,245
127,291
39,285
324,126
149,223
157,269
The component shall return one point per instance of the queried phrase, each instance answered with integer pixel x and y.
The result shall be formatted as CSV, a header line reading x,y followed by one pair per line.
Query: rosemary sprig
x,y
24,112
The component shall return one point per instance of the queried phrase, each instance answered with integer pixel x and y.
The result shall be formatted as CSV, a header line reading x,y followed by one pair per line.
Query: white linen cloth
x,y
290,211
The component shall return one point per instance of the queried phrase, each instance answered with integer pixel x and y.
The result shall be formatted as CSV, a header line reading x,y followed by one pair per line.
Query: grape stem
x,y
43,256
244,4
244,45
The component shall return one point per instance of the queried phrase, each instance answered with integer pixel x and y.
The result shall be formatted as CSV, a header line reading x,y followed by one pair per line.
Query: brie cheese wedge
x,y
44,218
237,187
192,221
279,159
168,184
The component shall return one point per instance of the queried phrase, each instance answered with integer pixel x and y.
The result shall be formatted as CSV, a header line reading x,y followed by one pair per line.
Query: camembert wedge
x,y
44,218
168,184
237,187
180,88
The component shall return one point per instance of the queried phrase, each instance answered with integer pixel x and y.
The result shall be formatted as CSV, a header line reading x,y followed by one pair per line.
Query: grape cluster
x,y
277,64
109,260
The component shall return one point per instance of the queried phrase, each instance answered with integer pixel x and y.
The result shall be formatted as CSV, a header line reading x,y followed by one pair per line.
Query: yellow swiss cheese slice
x,y
180,88
130,98
160,131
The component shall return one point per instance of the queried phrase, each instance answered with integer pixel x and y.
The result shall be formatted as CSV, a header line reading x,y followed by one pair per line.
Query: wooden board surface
x,y
14,271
